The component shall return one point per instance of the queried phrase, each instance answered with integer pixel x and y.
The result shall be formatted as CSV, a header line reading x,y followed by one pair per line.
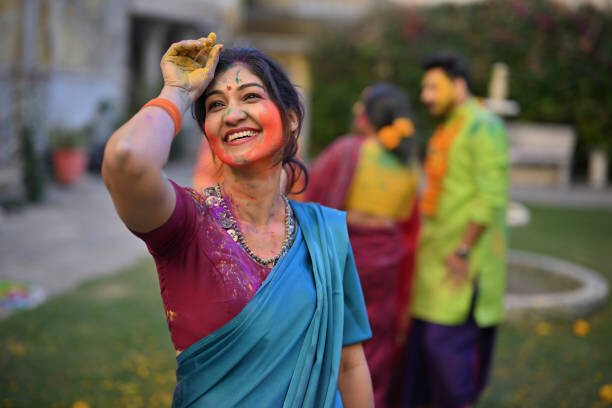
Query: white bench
x,y
540,154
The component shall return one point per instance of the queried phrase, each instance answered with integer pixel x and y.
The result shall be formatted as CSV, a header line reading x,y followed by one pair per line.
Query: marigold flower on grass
x,y
129,388
160,399
132,401
543,328
16,348
605,393
142,371
581,328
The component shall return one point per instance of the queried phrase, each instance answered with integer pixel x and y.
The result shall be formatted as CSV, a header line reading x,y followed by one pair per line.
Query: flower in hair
x,y
405,126
391,135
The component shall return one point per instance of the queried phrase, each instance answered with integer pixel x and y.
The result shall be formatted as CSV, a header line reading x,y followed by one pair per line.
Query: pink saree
x,y
384,259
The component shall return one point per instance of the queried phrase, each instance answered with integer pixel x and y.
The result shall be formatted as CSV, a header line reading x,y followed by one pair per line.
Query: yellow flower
x,y
160,399
16,348
142,371
605,393
389,137
404,126
543,328
581,328
129,388
80,404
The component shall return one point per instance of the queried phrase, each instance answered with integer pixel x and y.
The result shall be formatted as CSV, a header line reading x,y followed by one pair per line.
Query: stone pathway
x,y
576,197
580,302
75,235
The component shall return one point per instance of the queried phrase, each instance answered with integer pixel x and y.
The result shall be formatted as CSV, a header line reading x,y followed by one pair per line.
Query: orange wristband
x,y
169,107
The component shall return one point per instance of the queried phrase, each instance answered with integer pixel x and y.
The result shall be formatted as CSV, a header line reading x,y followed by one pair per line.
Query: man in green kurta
x,y
461,270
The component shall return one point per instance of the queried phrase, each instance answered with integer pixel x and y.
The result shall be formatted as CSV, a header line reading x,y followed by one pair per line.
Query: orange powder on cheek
x,y
215,144
272,127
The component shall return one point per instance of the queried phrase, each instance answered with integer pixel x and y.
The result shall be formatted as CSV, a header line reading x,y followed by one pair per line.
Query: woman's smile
x,y
240,135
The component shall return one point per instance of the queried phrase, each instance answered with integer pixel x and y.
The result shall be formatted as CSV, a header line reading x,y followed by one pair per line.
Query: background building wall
x,y
74,63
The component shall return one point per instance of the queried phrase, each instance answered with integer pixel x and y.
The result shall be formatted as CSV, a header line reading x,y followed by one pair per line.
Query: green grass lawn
x,y
106,343
544,364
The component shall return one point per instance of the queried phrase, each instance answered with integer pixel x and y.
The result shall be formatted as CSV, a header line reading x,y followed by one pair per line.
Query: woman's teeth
x,y
240,135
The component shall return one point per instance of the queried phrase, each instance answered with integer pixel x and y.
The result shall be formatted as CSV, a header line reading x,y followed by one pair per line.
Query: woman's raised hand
x,y
190,65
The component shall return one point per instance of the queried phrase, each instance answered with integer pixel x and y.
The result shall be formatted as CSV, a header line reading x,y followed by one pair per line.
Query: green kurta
x,y
474,188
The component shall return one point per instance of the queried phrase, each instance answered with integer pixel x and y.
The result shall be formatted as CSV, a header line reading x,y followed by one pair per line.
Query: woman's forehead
x,y
236,75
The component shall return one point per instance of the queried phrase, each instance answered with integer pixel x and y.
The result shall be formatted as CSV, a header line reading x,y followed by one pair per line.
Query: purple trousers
x,y
446,366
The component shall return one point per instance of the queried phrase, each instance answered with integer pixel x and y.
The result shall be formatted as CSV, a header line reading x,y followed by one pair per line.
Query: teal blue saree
x,y
283,349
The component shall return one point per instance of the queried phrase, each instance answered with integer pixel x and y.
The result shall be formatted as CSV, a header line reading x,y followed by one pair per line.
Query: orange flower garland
x,y
437,164
391,136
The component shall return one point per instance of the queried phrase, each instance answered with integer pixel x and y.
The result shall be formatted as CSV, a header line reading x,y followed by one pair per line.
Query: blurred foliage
x,y
560,61
64,138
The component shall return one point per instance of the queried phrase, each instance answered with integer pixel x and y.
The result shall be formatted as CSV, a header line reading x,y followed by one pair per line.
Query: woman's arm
x,y
354,380
137,152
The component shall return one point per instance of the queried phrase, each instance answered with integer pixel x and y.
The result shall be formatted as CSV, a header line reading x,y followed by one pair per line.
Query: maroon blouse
x,y
205,278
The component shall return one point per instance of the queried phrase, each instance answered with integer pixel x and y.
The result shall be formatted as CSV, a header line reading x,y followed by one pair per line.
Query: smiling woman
x,y
259,97
261,294
236,116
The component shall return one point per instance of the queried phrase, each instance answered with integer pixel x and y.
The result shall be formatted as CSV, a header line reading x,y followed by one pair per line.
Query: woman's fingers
x,y
202,55
213,58
205,53
199,50
212,37
189,48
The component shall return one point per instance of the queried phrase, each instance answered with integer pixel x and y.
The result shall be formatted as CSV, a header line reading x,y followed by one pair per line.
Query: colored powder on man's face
x,y
442,91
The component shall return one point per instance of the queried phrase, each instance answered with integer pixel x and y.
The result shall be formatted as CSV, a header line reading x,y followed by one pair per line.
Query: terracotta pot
x,y
69,165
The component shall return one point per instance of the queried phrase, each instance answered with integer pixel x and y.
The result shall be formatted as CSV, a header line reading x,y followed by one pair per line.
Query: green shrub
x,y
560,61
64,138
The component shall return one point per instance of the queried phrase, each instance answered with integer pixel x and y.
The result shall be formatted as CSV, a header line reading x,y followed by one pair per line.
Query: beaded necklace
x,y
230,225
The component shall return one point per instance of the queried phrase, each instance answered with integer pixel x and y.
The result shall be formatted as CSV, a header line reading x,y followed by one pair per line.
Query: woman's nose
x,y
234,114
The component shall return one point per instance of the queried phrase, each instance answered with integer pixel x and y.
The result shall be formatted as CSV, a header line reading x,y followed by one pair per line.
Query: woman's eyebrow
x,y
241,87
212,92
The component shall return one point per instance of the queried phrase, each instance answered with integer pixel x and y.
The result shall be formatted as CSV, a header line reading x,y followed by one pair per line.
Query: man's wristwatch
x,y
463,251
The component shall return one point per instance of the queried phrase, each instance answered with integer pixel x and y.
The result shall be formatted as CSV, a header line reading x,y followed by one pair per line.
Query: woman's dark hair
x,y
282,93
453,65
383,103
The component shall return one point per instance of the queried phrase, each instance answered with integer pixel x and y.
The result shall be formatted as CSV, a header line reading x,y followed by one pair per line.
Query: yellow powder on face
x,y
438,90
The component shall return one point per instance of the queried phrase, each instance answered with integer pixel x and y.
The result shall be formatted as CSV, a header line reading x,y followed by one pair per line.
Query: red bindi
x,y
229,87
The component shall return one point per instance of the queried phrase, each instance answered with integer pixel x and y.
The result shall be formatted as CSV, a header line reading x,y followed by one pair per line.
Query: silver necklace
x,y
230,225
